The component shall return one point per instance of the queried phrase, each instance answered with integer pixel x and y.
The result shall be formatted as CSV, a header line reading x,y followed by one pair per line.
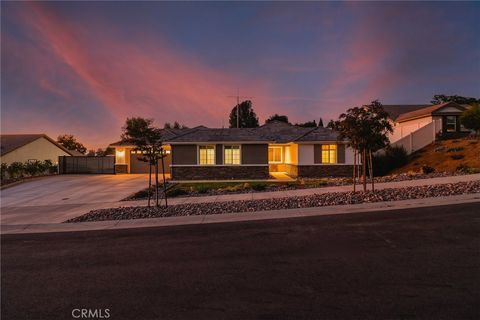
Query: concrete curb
x,y
238,217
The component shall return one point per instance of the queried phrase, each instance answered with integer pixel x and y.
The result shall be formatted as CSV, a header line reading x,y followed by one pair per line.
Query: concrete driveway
x,y
58,198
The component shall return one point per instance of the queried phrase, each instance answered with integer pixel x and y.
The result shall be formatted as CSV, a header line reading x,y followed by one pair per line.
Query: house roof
x,y
427,111
167,134
203,134
281,132
395,110
11,142
273,132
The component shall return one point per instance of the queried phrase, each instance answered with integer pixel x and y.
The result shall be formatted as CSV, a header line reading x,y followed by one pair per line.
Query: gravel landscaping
x,y
317,200
220,188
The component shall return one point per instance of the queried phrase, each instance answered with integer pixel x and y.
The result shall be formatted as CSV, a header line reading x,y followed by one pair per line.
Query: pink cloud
x,y
144,78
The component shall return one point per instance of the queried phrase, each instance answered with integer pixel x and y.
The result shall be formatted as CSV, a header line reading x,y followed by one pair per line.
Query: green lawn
x,y
183,189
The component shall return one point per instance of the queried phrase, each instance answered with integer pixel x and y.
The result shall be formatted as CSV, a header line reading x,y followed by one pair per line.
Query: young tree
x,y
146,138
470,118
320,123
71,143
366,129
247,117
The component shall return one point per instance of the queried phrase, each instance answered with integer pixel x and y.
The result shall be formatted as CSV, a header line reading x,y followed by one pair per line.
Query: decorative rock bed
x,y
294,185
317,200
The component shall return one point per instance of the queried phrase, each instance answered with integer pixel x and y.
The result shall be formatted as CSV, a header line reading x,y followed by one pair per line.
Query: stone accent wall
x,y
326,170
121,168
219,172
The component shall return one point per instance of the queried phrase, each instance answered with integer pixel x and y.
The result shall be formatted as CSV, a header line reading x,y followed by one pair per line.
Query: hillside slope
x,y
446,155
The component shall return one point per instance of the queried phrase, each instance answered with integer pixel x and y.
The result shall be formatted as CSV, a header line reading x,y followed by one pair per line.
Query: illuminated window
x,y
231,154
206,154
274,154
451,124
329,153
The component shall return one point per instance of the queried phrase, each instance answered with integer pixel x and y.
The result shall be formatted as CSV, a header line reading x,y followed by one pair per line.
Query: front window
x,y
329,153
451,125
232,154
207,154
274,154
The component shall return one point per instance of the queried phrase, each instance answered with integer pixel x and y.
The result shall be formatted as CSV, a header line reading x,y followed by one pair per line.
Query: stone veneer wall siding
x,y
319,171
219,172
121,168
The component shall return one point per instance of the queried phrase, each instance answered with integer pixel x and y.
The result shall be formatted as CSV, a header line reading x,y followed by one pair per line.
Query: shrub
x,y
393,158
175,192
32,168
4,169
451,135
470,118
16,170
455,149
457,156
427,169
259,186
202,189
462,168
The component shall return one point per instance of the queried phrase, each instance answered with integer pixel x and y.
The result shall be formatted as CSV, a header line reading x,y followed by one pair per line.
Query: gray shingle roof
x,y
427,111
203,134
273,132
396,110
10,142
167,134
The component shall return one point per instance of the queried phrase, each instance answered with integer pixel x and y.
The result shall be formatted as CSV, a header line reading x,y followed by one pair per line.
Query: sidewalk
x,y
236,217
57,212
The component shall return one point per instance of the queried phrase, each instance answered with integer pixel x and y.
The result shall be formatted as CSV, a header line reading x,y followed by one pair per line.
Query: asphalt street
x,y
404,264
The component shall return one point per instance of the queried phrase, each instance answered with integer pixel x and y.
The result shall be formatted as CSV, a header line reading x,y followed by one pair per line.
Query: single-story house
x,y
30,147
202,153
407,119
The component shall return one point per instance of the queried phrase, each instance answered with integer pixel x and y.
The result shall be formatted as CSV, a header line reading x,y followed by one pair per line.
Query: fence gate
x,y
84,164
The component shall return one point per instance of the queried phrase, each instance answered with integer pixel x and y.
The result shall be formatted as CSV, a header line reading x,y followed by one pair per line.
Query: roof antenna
x,y
238,105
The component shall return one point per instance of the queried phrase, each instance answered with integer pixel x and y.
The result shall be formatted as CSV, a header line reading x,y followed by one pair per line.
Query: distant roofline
x,y
40,135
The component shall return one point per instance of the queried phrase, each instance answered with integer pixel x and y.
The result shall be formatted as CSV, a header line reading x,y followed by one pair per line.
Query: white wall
x,y
420,138
403,129
40,149
290,154
349,155
306,155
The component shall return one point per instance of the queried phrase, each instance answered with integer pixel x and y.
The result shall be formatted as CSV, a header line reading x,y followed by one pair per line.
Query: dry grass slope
x,y
446,156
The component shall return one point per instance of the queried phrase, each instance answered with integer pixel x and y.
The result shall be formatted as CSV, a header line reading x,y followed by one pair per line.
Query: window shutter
x,y
219,154
317,153
340,153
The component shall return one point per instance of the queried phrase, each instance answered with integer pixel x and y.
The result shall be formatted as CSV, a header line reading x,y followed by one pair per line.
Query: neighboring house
x,y
204,153
416,126
30,147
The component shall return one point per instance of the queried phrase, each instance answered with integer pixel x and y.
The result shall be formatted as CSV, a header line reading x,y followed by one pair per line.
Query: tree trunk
x,y
354,169
371,171
364,167
164,182
149,181
156,181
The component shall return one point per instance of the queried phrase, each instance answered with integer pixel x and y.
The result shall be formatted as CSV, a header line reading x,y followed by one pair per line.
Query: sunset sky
x,y
83,68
